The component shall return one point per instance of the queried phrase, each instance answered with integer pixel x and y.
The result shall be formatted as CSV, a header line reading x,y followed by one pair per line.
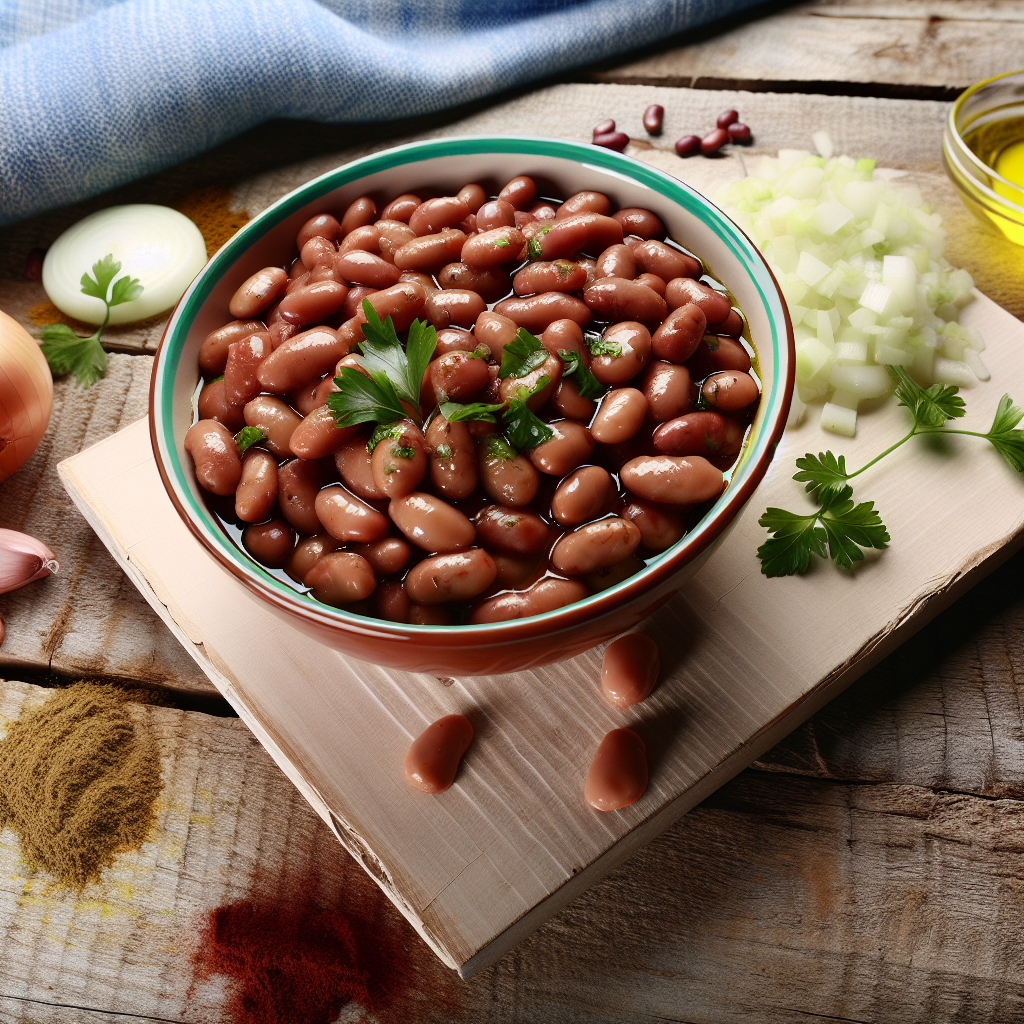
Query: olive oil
x,y
999,144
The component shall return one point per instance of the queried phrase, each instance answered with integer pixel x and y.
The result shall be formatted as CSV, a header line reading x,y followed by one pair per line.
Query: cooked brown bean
x,y
584,202
434,215
519,191
258,292
430,523
730,390
615,261
508,481
714,305
274,420
468,224
653,282
313,302
213,353
457,377
556,276
391,602
346,518
495,214
629,670
454,339
516,572
401,208
617,298
530,384
386,556
307,552
353,465
655,257
432,761
618,773
680,334
699,433
360,212
539,311
599,232
270,543
391,236
667,390
659,528
492,248
399,462
640,222
453,470
543,210
361,267
544,596
456,576
613,575
293,286
301,358
587,494
595,546
280,332
473,196
340,578
431,252
213,405
620,416
495,331
571,446
322,225
672,480
717,352
568,402
317,435
425,281
491,283
298,482
732,325
561,240
367,239
565,335
241,384
257,486
318,251
454,307
430,614
633,343
215,455
511,530
403,302
354,299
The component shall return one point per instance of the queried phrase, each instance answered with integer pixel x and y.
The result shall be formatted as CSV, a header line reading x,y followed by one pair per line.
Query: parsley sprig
x,y
843,530
523,354
247,437
586,383
64,350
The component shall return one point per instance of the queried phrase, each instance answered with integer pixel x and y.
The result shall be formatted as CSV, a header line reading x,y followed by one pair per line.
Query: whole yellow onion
x,y
26,395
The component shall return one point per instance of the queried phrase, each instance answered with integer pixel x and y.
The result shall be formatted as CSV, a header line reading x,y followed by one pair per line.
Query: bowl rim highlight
x,y
743,479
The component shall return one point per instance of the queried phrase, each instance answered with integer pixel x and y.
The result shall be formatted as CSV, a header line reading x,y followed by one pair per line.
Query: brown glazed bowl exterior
x,y
561,168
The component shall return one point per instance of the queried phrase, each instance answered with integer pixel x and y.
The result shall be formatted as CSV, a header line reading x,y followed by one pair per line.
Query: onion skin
x,y
26,395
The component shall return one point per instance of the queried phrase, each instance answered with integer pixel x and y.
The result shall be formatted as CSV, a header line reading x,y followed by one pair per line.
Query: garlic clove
x,y
23,559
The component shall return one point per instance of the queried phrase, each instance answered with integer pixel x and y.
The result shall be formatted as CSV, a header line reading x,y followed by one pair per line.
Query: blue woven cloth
x,y
95,93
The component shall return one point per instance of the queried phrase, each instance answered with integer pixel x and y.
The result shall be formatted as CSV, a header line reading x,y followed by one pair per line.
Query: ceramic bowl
x,y
561,168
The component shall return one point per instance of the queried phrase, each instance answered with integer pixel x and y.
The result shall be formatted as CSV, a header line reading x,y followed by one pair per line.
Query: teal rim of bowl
x,y
607,160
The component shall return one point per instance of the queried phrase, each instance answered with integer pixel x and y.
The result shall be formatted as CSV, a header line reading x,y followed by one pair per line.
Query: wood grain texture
x,y
744,660
919,49
88,620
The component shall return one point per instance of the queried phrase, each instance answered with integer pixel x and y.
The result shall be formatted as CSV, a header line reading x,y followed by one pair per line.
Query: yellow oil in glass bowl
x,y
983,150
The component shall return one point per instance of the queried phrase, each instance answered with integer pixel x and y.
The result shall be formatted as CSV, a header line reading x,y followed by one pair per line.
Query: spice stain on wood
x,y
210,209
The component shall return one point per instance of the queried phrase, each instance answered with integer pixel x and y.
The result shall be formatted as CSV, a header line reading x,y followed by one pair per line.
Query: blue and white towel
x,y
95,93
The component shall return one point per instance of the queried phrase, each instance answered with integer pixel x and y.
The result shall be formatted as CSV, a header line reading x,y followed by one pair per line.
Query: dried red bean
x,y
740,133
727,118
604,128
612,140
688,145
653,116
714,141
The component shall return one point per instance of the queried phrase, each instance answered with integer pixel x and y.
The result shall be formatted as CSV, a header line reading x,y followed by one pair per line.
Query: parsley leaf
x,y
930,407
599,347
523,427
64,350
362,399
521,355
454,411
247,437
1009,442
388,363
823,473
496,447
533,249
443,451
837,526
380,432
586,383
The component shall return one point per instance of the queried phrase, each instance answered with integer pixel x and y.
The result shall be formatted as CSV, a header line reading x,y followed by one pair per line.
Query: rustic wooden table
x,y
869,868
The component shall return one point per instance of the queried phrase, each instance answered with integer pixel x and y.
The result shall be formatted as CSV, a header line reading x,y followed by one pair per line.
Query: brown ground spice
x,y
207,208
79,777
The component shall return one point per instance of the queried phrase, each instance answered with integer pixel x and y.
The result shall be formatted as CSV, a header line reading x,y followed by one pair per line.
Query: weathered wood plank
x,y
780,899
919,49
88,620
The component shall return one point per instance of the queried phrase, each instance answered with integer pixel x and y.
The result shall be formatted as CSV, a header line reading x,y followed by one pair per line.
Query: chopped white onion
x,y
838,420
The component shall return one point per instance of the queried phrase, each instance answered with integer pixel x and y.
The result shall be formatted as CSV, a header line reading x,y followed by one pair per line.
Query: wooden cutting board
x,y
745,660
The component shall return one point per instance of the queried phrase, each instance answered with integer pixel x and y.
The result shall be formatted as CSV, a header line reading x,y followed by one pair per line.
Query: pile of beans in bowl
x,y
468,408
